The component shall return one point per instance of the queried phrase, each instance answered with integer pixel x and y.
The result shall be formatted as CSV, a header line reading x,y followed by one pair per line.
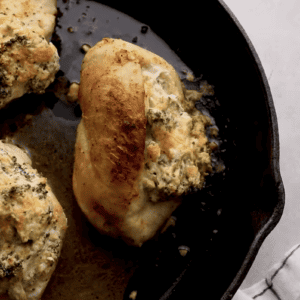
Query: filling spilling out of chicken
x,y
177,150
141,143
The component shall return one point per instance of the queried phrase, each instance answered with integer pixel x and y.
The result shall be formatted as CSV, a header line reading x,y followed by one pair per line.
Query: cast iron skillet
x,y
223,225
210,40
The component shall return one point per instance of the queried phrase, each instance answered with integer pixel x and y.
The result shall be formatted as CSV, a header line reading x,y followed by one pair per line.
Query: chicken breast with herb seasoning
x,y
141,143
28,61
32,227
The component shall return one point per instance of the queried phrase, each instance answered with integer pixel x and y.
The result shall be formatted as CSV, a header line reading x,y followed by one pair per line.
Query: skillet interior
x,y
211,42
249,191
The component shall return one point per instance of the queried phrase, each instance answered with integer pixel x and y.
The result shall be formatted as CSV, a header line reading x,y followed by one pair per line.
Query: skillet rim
x,y
278,209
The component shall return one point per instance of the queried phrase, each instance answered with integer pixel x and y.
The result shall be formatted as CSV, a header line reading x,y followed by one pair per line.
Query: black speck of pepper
x,y
41,190
144,29
13,127
59,13
27,187
94,19
6,272
77,111
134,40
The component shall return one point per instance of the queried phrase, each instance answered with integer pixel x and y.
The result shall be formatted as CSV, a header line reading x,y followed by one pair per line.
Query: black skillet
x,y
223,226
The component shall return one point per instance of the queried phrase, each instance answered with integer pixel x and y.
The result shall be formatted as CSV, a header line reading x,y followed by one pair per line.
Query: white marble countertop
x,y
273,27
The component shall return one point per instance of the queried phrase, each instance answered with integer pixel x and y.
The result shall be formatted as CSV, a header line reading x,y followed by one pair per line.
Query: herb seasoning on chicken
x,y
28,61
32,227
141,144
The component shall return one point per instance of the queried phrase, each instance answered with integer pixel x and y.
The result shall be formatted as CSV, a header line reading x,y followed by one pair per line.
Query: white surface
x,y
273,26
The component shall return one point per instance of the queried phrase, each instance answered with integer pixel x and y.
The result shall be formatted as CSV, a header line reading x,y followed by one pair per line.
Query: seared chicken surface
x,y
32,227
28,61
141,143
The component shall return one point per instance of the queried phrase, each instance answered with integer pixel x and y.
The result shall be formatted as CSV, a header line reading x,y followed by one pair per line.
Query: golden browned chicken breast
x,y
141,143
32,227
28,61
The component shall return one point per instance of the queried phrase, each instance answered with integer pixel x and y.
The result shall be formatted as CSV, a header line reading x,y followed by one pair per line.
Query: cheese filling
x,y
177,155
